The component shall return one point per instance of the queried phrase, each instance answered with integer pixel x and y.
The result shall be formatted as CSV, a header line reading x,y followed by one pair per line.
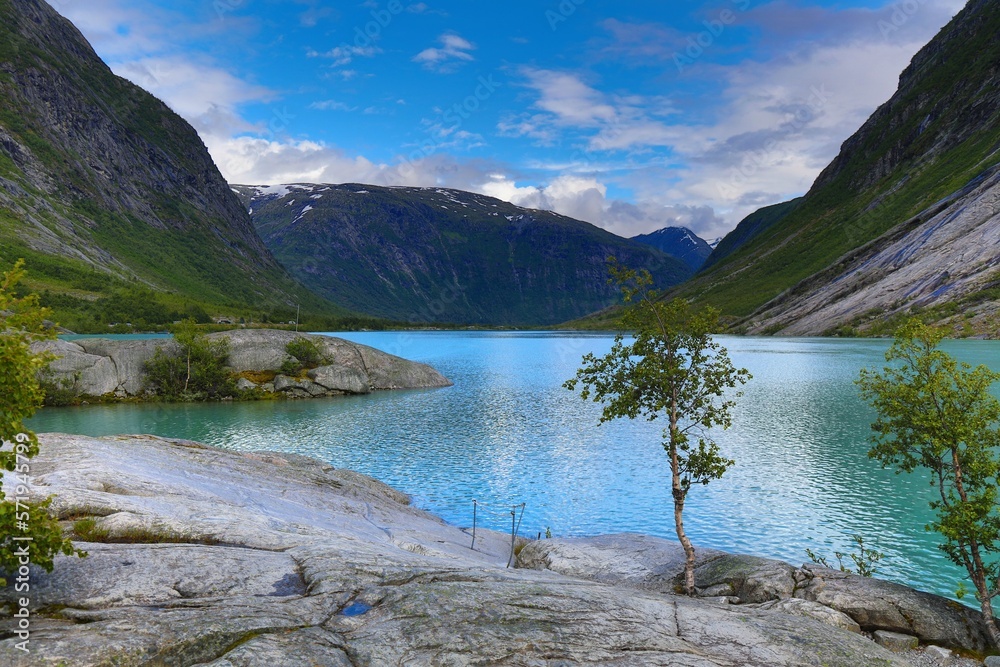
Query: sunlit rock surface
x,y
275,559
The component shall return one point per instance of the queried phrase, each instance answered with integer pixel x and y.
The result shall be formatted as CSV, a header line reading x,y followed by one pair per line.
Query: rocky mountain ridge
x,y
102,186
679,242
440,255
932,147
946,261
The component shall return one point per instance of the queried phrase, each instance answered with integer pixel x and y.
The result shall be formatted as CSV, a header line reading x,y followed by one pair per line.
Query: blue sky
x,y
630,114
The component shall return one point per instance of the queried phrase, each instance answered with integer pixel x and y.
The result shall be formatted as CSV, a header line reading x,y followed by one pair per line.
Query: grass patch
x,y
87,530
258,377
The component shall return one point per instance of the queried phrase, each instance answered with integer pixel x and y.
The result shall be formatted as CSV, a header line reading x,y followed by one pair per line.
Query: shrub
x,y
197,372
27,530
59,392
305,355
864,559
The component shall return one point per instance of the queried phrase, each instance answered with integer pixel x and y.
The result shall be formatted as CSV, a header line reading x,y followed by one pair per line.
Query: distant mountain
x,y
904,220
438,255
679,242
105,191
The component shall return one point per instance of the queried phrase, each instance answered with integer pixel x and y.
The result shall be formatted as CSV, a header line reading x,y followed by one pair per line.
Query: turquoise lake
x,y
508,433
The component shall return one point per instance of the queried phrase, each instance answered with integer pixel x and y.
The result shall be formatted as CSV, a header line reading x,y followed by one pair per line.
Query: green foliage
x,y
21,322
961,590
58,392
938,415
672,369
305,355
306,351
196,372
864,558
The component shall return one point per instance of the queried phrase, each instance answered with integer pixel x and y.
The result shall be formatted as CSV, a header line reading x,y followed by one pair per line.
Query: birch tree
x,y
668,366
938,415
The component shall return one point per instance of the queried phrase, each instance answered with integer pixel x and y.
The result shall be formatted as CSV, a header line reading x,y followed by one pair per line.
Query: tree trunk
x,y
188,378
978,575
682,536
679,497
991,624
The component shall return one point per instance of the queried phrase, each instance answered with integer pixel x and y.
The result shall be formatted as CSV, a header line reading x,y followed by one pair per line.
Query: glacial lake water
x,y
508,433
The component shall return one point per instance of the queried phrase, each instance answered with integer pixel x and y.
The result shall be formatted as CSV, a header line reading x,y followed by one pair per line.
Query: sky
x,y
629,114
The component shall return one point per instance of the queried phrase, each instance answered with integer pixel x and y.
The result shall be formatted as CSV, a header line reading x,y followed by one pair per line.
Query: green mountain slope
x,y
435,255
749,228
938,132
109,194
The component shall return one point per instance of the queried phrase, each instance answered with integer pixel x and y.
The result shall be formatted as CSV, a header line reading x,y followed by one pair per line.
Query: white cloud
x,y
454,49
208,97
769,130
781,123
331,105
585,198
568,99
118,29
345,53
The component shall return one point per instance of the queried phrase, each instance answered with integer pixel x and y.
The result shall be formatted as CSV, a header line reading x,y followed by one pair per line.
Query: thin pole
x,y
474,505
513,514
297,308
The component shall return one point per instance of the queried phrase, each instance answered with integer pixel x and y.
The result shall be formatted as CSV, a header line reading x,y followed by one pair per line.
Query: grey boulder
x,y
114,367
841,599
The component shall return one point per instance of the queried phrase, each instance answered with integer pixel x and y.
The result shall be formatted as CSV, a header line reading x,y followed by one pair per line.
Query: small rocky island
x,y
203,556
110,369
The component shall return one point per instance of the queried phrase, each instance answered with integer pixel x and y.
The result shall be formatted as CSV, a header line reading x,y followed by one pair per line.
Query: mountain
x,y
903,220
749,228
438,255
111,197
679,242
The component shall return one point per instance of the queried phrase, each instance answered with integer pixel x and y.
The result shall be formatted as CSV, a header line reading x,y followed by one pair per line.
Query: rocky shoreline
x,y
212,557
105,369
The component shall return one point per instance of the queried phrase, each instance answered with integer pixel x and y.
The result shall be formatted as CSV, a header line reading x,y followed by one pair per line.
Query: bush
x,y
305,355
864,559
59,392
28,533
197,372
